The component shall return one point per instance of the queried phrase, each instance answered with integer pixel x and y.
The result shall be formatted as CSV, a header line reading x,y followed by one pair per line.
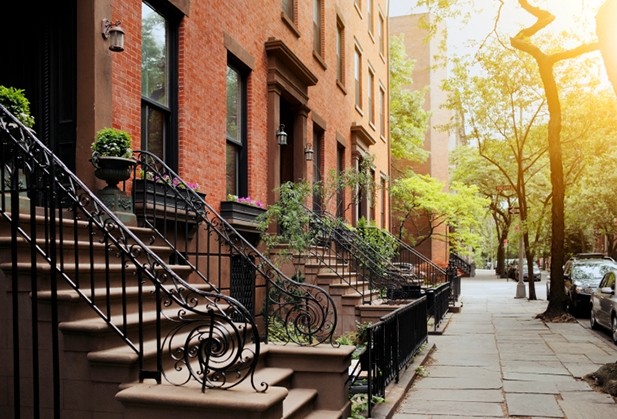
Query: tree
x,y
546,63
408,119
499,105
422,197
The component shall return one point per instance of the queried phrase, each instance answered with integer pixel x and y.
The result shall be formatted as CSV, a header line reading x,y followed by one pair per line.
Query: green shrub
x,y
112,142
15,101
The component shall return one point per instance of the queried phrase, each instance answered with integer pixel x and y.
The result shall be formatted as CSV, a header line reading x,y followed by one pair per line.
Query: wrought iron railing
x,y
354,255
49,216
460,263
417,266
291,311
391,344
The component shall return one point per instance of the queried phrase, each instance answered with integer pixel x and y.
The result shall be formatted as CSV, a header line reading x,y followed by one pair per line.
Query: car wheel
x,y
592,321
614,328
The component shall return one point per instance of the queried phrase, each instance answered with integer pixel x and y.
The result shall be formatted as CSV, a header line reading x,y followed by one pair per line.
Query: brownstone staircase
x,y
100,372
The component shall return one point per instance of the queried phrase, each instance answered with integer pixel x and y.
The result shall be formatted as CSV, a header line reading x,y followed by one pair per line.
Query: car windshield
x,y
590,271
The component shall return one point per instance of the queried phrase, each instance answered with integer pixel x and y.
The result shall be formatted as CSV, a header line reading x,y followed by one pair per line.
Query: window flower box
x,y
161,195
240,214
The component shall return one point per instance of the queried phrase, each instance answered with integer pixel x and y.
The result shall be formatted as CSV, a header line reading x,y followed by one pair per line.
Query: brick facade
x,y
208,32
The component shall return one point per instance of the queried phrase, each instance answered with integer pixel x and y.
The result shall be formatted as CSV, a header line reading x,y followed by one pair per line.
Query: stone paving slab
x,y
533,405
549,378
587,397
466,383
442,371
578,410
534,367
449,407
530,387
428,395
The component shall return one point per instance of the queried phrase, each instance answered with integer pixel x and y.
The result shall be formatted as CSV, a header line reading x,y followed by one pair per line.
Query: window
x,y
318,134
340,52
384,199
317,26
289,9
158,85
358,77
382,112
370,97
340,192
236,162
380,35
369,16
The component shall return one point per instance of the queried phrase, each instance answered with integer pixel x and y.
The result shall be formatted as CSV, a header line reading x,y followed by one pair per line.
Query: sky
x,y
513,18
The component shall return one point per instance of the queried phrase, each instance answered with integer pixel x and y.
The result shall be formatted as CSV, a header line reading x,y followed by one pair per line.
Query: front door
x,y
43,64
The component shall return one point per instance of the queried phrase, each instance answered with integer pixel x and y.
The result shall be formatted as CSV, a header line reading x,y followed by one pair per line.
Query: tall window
x,y
382,112
236,166
288,9
317,25
340,192
370,96
318,134
369,15
384,198
340,52
357,71
158,85
380,35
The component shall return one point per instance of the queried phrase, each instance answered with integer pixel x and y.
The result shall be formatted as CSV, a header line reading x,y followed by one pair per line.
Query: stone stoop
x,y
303,383
99,371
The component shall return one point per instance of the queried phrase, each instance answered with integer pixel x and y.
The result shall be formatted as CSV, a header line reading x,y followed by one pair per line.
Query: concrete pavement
x,y
495,360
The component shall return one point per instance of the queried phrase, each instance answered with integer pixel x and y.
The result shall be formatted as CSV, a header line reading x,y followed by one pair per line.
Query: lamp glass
x,y
116,39
281,135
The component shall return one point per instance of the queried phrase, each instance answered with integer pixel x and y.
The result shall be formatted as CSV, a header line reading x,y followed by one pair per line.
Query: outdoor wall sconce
x,y
115,34
308,152
281,135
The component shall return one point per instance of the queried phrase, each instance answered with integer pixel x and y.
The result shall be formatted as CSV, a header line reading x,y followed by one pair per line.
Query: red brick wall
x,y
202,69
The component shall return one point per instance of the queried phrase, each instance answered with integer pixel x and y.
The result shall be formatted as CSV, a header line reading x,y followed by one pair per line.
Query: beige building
x,y
427,74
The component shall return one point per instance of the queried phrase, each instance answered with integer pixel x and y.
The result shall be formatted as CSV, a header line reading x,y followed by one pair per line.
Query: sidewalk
x,y
495,360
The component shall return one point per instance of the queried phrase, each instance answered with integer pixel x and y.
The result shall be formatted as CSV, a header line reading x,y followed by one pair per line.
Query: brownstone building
x,y
238,96
206,86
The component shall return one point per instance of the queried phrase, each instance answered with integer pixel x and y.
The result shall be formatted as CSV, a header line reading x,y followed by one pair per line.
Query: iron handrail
x,y
370,265
190,323
294,312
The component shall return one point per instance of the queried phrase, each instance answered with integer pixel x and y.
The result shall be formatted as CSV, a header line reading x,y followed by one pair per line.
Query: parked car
x,y
604,305
537,274
582,275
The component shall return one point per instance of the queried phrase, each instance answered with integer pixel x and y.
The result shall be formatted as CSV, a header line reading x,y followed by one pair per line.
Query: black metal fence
x,y
391,345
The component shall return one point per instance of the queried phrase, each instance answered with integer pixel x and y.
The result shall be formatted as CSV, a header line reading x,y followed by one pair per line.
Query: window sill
x,y
290,24
317,56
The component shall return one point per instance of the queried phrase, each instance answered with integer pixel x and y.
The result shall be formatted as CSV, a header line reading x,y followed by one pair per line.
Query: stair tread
x,y
324,414
296,399
72,295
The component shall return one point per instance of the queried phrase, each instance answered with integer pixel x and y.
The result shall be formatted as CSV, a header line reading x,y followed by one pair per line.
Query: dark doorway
x,y
43,64
287,151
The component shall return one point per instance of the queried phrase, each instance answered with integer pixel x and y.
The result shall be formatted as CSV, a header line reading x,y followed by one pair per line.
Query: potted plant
x,y
112,156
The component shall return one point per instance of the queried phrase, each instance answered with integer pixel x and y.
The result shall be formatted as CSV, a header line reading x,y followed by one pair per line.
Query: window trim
x,y
173,18
242,173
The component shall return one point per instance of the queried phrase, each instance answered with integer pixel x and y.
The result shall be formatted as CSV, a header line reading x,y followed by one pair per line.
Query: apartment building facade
x,y
207,85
